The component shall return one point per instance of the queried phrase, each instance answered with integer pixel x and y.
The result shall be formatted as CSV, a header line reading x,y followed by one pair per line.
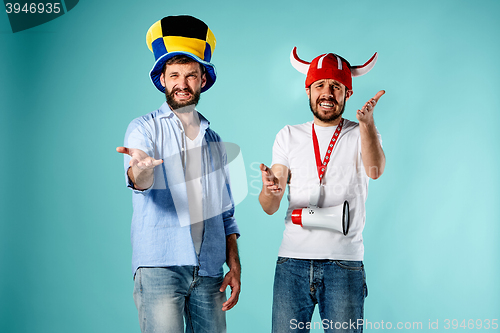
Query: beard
x,y
334,116
176,105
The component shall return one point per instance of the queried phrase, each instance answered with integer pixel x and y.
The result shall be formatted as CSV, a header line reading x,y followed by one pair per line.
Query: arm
x,y
233,277
371,151
141,171
273,182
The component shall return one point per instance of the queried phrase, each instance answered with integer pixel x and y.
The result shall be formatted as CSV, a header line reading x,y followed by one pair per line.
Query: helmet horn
x,y
299,64
362,70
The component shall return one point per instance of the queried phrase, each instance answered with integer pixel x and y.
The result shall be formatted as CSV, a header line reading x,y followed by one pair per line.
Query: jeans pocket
x,y
137,292
138,281
281,260
351,265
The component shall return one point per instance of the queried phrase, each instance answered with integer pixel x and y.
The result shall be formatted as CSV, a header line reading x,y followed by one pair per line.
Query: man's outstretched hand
x,y
141,167
365,115
139,158
269,180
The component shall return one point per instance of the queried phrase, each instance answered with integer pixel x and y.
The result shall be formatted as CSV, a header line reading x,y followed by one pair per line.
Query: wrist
x,y
234,265
367,124
142,178
236,270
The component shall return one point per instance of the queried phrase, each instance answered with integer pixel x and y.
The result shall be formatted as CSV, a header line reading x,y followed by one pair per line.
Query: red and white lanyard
x,y
322,166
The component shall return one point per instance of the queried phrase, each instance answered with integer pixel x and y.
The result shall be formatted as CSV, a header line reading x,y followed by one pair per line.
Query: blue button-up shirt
x,y
161,225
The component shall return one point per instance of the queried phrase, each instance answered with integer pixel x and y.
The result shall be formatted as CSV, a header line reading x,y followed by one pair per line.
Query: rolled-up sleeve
x,y
230,225
138,136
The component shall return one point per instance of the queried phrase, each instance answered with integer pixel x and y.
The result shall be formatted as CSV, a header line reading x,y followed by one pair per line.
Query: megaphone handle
x,y
314,198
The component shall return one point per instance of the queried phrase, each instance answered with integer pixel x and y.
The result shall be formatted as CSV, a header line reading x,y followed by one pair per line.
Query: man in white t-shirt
x,y
333,158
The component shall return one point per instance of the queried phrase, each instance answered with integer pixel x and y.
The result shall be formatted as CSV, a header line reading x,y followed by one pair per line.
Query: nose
x,y
182,83
327,92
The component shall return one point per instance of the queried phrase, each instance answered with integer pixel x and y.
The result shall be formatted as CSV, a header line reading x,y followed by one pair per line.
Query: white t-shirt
x,y
194,189
345,179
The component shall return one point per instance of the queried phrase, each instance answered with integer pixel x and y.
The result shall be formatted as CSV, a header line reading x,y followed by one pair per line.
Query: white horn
x,y
362,70
299,64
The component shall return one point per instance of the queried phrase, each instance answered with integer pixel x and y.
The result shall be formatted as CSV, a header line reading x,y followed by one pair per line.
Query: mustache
x,y
331,100
187,89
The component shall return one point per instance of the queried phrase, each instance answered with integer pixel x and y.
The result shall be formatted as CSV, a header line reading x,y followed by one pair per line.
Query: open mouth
x,y
183,95
327,105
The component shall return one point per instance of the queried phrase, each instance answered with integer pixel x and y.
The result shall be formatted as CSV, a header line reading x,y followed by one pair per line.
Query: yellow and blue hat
x,y
183,34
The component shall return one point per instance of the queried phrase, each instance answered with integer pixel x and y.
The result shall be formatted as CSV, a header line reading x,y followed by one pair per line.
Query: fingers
x,y
269,179
232,279
133,152
378,95
139,158
235,292
157,162
147,163
370,105
231,302
272,184
274,188
224,284
266,171
123,150
372,102
365,115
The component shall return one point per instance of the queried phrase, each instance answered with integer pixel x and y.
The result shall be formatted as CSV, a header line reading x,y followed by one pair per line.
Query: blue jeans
x,y
167,296
337,286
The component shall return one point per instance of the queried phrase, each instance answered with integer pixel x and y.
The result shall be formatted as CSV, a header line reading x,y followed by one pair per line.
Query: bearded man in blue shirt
x,y
183,229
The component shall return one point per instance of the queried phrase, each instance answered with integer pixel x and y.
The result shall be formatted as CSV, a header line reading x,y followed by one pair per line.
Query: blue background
x,y
69,88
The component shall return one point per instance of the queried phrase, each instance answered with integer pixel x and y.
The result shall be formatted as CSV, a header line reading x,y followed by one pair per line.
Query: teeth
x,y
326,105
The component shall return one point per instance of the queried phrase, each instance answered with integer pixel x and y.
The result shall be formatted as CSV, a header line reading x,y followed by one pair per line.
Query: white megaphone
x,y
336,218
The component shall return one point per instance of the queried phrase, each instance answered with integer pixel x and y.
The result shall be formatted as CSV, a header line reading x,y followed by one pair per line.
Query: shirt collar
x,y
166,112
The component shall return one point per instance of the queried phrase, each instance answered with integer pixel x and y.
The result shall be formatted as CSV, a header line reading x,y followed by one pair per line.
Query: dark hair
x,y
182,59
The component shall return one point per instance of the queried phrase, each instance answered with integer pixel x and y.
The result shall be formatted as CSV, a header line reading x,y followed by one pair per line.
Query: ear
x,y
348,94
308,92
162,79
203,80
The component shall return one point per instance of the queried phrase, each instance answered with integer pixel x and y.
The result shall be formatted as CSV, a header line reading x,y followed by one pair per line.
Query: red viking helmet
x,y
330,66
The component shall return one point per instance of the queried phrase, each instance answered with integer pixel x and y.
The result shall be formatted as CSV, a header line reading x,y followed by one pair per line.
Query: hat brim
x,y
158,66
